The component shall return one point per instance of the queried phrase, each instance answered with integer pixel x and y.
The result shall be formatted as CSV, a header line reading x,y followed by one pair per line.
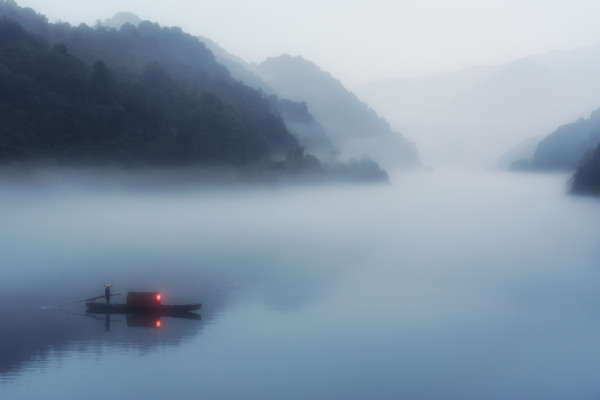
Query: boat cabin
x,y
146,299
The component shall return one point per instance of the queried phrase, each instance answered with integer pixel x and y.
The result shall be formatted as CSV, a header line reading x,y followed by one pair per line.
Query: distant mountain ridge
x,y
571,147
564,148
298,119
238,68
119,19
404,99
583,59
353,127
473,116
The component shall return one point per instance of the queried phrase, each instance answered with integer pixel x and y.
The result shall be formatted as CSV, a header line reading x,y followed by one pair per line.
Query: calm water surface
x,y
439,286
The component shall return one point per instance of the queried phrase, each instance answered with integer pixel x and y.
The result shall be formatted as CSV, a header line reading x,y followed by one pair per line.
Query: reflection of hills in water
x,y
31,333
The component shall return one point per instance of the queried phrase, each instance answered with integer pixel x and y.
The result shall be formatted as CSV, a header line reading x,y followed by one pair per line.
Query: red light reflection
x,y
158,323
158,297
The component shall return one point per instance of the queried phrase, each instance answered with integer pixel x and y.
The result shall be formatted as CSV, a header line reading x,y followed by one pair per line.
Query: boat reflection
x,y
143,320
40,334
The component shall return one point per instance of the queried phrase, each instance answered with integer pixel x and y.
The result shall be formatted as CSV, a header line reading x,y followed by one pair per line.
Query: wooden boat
x,y
142,302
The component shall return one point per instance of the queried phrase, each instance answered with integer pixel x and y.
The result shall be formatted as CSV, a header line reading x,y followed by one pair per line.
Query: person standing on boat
x,y
107,292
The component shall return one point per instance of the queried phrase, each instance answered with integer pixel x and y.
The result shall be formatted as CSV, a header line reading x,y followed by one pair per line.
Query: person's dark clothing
x,y
107,295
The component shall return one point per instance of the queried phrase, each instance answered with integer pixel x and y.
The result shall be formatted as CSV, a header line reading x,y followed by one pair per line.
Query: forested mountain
x,y
182,59
238,68
310,132
564,148
586,179
298,119
342,124
302,124
141,95
56,106
353,127
571,147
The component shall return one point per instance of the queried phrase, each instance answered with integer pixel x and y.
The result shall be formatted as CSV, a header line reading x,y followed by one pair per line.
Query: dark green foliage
x,y
182,57
307,167
359,170
54,106
586,179
138,96
297,162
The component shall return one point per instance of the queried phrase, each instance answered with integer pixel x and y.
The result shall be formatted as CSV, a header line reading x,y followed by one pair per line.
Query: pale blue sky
x,y
358,41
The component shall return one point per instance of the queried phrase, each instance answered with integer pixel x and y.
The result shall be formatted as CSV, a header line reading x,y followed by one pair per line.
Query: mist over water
x,y
439,285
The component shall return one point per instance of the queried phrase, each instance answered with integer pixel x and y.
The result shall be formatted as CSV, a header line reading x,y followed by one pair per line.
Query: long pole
x,y
92,299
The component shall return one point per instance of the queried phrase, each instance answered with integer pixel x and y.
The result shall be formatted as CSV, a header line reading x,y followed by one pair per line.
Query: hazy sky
x,y
358,41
